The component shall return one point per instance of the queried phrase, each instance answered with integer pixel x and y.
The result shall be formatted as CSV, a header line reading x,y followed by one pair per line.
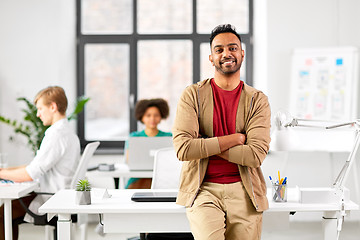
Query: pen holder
x,y
279,192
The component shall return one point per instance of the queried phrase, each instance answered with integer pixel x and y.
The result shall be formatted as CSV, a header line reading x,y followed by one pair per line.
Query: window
x,y
134,49
106,77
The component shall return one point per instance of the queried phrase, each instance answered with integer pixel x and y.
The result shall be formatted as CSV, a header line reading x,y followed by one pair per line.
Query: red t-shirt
x,y
226,103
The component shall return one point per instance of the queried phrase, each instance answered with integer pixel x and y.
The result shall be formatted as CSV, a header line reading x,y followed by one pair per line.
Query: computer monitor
x,y
141,151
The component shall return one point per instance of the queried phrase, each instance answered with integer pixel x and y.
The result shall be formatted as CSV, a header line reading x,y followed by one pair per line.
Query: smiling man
x,y
222,133
55,162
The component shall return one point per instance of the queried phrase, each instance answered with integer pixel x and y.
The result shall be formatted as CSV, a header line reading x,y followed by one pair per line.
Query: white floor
x,y
296,231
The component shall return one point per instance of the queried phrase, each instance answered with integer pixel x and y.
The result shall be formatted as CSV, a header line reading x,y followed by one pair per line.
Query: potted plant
x,y
83,190
32,127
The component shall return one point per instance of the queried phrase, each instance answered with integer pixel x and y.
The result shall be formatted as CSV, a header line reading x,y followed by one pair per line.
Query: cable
x,y
100,221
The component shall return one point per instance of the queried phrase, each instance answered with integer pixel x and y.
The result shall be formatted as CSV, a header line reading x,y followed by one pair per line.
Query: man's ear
x,y
53,107
211,60
243,55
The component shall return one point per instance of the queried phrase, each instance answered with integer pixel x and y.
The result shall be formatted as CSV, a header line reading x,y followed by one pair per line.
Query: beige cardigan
x,y
253,118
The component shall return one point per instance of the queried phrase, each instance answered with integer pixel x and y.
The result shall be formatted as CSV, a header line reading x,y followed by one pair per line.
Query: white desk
x,y
121,172
9,192
121,215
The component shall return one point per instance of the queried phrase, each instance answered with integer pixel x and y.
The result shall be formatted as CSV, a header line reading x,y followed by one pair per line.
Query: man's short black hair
x,y
223,28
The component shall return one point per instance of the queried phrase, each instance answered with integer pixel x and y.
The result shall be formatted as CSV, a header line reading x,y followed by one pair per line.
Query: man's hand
x,y
232,140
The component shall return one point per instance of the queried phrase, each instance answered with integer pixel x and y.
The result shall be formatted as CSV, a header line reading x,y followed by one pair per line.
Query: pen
x,y
284,182
279,176
271,180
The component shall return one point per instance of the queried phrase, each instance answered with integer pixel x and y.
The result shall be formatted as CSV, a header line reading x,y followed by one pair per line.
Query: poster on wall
x,y
324,83
324,86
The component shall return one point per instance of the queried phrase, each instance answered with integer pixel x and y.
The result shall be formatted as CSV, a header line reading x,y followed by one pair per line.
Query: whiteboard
x,y
324,83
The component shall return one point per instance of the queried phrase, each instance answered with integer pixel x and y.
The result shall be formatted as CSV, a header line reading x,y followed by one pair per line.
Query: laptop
x,y
154,197
141,151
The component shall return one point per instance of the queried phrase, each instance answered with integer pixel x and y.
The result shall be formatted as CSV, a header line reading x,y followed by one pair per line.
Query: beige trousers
x,y
224,211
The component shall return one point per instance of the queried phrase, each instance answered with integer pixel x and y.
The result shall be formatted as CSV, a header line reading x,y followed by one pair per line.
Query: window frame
x,y
132,40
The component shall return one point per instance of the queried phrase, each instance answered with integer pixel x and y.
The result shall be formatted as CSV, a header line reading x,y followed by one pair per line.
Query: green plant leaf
x,y
83,185
79,107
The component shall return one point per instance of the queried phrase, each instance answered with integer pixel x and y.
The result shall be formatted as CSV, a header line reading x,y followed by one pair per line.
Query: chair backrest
x,y
83,163
167,168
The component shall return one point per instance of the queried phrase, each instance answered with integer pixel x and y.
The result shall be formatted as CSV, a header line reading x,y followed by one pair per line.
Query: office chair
x,y
41,220
167,169
166,175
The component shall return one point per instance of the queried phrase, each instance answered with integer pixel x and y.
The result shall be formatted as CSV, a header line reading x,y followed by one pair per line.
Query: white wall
x,y
304,23
260,45
300,24
37,49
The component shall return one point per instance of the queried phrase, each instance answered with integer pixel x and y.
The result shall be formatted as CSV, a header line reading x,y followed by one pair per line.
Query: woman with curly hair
x,y
150,112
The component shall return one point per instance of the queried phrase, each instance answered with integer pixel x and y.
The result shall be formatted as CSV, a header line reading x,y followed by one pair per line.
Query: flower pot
x,y
83,197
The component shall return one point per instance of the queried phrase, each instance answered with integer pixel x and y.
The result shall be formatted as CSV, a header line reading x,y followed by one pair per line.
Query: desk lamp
x,y
283,121
343,175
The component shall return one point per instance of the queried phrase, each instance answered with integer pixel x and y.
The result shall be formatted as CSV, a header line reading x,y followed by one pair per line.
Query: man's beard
x,y
226,71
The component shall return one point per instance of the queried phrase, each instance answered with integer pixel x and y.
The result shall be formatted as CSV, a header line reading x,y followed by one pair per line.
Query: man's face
x,y
45,113
226,53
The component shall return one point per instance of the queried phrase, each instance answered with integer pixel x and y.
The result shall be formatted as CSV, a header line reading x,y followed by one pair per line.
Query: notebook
x,y
154,197
141,151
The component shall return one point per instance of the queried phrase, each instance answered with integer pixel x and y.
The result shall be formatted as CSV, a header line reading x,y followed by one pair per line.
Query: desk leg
x,y
116,182
7,219
122,183
329,225
64,227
